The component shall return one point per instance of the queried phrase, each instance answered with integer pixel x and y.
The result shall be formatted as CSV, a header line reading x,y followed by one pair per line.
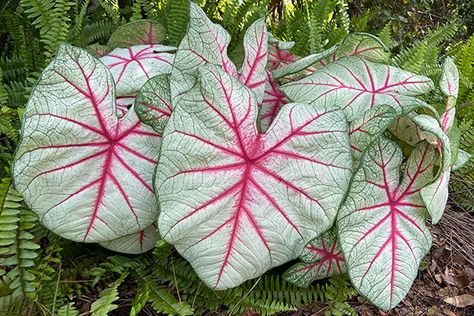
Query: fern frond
x,y
462,181
105,303
68,310
160,298
51,18
98,31
425,53
177,20
17,246
76,29
111,9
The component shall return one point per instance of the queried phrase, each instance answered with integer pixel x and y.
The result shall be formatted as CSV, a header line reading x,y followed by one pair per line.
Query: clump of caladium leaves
x,y
333,157
85,163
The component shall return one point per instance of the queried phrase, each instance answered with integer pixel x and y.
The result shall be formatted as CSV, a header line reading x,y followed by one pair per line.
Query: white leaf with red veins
x,y
279,53
356,85
321,258
463,158
253,73
136,243
435,194
85,172
449,82
356,44
273,100
381,225
204,42
142,32
363,45
236,203
132,67
304,63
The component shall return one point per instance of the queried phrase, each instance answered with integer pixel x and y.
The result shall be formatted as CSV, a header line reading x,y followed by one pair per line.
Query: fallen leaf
x,y
448,291
460,301
438,278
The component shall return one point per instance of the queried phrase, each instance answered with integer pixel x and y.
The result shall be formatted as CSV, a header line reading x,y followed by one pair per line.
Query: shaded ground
x,y
445,286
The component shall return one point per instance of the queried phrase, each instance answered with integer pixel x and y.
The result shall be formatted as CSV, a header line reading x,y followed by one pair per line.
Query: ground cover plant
x,y
337,159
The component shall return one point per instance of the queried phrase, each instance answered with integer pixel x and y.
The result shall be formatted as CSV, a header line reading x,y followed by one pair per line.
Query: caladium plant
x,y
83,170
208,134
251,173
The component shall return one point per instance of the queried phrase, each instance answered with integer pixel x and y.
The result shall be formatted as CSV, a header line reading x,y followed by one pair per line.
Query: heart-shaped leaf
x,y
321,258
435,194
235,202
206,43
364,130
136,243
85,172
142,32
356,85
449,82
131,67
381,225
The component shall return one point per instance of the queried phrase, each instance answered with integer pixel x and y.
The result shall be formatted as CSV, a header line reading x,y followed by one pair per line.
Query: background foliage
x,y
42,274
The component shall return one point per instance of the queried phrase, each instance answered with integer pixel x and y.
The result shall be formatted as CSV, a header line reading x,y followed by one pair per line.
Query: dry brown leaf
x,y
460,301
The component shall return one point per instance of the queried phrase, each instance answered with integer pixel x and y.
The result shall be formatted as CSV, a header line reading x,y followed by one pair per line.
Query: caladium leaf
x,y
204,42
142,32
136,243
131,67
449,82
236,203
273,100
363,45
381,225
435,194
153,103
279,53
85,172
364,130
463,158
253,73
321,258
356,85
98,50
303,63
